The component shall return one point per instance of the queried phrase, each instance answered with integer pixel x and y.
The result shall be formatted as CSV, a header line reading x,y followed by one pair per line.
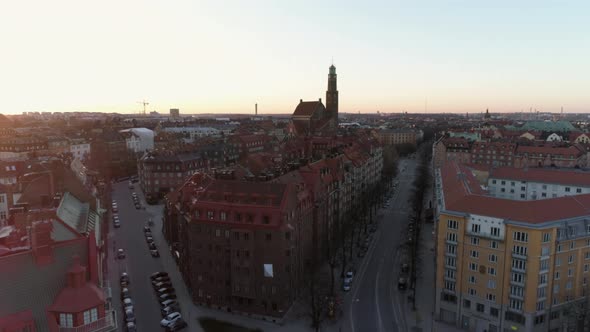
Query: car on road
x,y
402,283
168,303
177,326
167,296
128,303
129,316
160,274
160,279
347,285
165,290
170,319
349,274
162,284
131,327
125,293
120,254
168,310
154,252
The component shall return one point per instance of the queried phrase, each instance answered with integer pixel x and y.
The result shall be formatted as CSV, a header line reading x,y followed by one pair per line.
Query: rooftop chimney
x,y
76,274
300,100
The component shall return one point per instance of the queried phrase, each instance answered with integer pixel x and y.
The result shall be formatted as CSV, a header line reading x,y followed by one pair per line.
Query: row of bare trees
x,y
346,234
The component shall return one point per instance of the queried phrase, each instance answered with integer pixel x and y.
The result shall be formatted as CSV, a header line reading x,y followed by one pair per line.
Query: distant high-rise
x,y
174,112
332,96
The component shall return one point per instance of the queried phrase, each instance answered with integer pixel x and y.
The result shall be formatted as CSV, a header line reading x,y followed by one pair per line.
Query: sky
x,y
225,56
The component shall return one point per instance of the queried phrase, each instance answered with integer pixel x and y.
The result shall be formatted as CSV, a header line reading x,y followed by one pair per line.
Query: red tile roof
x,y
546,150
307,108
463,194
570,177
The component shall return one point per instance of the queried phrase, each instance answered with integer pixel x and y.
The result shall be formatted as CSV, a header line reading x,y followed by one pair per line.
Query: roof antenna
x,y
332,60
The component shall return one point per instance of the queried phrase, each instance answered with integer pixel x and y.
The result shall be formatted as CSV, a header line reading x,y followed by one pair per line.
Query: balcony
x,y
518,255
486,235
105,324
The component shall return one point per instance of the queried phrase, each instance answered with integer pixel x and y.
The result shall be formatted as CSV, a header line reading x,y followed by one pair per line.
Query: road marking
x,y
379,321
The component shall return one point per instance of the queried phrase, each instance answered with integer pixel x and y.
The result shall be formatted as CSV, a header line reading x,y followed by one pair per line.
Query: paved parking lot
x,y
139,263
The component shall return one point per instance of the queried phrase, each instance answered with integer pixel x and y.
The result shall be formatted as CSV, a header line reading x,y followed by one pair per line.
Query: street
x,y
139,263
374,303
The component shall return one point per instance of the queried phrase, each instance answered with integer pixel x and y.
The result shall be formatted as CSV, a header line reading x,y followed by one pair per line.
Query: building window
x,y
452,224
546,237
474,253
466,304
494,244
493,258
475,241
479,307
521,236
491,270
223,215
473,266
90,316
475,228
66,320
567,189
268,236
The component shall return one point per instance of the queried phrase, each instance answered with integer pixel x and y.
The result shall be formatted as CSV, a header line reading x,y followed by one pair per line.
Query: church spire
x,y
332,94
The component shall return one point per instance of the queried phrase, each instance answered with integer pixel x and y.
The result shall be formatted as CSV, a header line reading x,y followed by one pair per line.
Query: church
x,y
312,118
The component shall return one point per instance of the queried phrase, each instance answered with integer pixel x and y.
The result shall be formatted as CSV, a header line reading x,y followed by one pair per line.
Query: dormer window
x,y
66,320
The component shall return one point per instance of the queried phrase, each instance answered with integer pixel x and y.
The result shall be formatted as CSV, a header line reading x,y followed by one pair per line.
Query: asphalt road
x,y
139,263
374,303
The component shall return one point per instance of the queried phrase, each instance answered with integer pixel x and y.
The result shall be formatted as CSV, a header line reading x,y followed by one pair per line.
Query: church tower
x,y
332,96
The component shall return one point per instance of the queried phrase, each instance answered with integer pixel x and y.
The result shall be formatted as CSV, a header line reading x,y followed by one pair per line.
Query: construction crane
x,y
144,103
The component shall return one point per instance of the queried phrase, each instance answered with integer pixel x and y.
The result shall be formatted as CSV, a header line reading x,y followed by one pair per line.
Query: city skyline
x,y
208,57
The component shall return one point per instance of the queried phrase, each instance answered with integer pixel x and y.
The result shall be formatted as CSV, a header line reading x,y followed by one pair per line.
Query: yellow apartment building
x,y
508,265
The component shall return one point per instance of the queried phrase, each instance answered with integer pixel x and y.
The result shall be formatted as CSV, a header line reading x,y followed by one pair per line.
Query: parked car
x,y
128,303
125,293
168,310
160,279
160,274
124,280
154,252
349,274
168,303
178,325
165,290
149,238
168,296
170,319
347,285
162,284
129,316
130,185
402,283
148,234
146,229
120,254
131,327
152,246
116,223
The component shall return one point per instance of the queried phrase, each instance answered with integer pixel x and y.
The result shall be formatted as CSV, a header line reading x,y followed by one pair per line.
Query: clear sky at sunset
x,y
224,56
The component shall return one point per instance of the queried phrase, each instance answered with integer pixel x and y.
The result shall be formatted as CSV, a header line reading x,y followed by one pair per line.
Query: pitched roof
x,y
547,149
77,214
33,287
308,108
544,175
463,194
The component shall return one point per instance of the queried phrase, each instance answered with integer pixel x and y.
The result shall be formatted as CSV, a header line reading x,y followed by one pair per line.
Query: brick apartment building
x,y
493,153
243,246
398,136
